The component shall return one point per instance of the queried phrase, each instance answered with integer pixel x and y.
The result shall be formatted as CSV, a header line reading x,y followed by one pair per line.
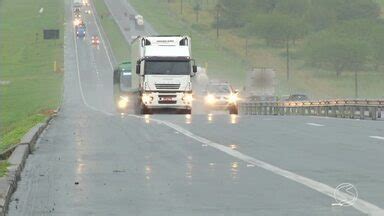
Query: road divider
x,y
353,109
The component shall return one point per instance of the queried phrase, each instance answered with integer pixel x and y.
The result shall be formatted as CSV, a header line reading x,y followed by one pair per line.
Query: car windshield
x,y
219,89
167,67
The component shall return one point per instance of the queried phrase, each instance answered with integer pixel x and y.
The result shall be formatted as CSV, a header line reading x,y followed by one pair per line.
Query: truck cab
x,y
164,68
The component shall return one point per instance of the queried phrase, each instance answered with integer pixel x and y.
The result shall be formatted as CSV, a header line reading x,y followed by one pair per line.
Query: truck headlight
x,y
146,98
233,98
188,98
123,102
210,99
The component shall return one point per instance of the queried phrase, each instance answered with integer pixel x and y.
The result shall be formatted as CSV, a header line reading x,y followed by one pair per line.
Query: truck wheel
x,y
233,110
188,111
144,110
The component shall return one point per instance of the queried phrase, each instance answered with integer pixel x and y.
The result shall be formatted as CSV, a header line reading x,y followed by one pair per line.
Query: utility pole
x,y
217,19
288,72
356,86
246,46
181,7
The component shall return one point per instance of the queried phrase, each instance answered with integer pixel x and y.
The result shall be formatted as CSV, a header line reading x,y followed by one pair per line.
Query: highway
x,y
94,161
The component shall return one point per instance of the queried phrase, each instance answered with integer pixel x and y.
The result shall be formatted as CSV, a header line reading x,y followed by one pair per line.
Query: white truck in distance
x,y
139,21
77,3
164,67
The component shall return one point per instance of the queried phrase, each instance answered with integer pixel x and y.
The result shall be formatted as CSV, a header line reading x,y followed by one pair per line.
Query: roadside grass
x,y
120,47
31,87
3,168
227,59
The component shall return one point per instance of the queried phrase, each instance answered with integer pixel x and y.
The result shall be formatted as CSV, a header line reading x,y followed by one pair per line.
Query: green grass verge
x,y
3,168
119,46
226,57
33,88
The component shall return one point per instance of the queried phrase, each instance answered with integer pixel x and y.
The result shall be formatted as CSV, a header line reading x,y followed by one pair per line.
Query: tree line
x,y
337,35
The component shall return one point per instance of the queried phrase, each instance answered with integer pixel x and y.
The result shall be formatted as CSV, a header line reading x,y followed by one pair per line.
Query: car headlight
x,y
123,102
146,98
210,99
188,98
76,22
233,98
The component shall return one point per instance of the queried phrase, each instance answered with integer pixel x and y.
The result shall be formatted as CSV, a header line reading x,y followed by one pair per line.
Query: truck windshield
x,y
167,67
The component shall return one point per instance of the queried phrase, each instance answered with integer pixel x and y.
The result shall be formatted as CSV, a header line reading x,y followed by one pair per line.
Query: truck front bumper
x,y
167,100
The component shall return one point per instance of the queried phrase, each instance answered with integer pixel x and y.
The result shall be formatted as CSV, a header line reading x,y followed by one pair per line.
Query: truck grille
x,y
167,86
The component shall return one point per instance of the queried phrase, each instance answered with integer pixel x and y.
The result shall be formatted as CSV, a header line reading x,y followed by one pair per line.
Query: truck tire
x,y
144,110
233,110
188,111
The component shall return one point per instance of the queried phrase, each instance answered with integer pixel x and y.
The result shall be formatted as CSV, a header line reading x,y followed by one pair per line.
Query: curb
x,y
18,156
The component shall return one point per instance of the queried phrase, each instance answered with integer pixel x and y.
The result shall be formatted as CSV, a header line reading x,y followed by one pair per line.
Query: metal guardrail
x,y
354,109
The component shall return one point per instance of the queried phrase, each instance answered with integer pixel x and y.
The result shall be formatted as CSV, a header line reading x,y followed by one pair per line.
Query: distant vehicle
x,y
221,96
122,87
95,40
298,97
85,3
164,67
77,15
77,22
77,3
80,31
87,11
76,10
139,21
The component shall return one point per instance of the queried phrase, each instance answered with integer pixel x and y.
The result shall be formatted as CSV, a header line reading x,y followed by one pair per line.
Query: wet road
x,y
93,161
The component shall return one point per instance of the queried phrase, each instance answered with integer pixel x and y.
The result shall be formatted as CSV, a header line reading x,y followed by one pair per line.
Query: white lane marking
x,y
101,36
315,124
79,78
377,137
361,205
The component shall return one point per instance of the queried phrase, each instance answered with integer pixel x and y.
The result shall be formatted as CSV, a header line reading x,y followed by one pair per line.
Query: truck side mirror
x,y
138,69
194,68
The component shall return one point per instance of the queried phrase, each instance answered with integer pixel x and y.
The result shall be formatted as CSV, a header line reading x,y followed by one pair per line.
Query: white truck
x,y
139,21
77,3
164,67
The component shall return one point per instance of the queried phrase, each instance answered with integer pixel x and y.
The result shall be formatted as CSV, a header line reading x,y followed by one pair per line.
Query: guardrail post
x,y
333,111
373,113
342,111
301,110
362,112
353,112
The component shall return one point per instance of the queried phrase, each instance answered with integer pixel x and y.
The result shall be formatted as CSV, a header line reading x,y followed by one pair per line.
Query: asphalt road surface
x,y
94,161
